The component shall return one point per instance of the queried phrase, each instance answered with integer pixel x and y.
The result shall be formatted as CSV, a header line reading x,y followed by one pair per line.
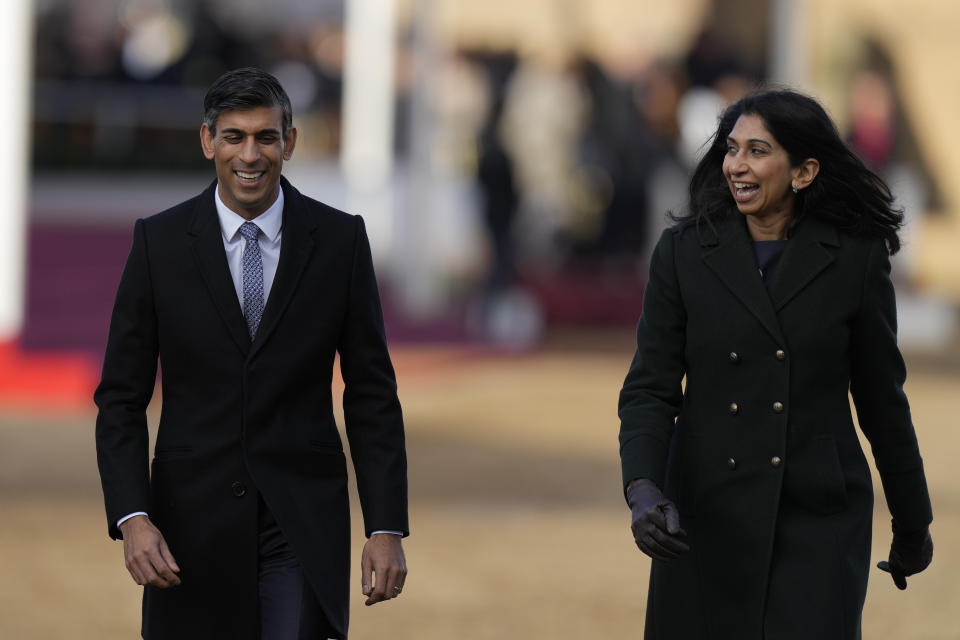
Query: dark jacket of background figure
x,y
764,452
243,419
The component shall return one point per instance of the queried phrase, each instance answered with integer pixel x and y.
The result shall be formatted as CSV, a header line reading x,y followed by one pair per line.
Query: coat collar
x,y
728,252
805,257
211,260
295,248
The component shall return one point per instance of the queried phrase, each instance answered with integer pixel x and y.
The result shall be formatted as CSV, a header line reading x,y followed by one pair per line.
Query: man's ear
x,y
289,143
805,173
206,141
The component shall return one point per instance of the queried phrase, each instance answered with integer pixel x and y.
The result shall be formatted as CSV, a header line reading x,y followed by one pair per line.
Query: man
x,y
245,293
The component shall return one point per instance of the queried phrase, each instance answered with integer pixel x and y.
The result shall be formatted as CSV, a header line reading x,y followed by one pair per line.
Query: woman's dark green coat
x,y
758,448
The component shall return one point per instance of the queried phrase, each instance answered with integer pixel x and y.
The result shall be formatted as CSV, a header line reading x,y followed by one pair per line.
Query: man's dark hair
x,y
242,90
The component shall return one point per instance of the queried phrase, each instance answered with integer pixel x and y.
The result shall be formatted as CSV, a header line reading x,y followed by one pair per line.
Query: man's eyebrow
x,y
234,130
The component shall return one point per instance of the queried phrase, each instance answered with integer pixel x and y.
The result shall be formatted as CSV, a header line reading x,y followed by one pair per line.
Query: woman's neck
x,y
769,227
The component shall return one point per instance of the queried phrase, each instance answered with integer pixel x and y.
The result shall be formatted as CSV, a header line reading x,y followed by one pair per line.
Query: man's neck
x,y
248,214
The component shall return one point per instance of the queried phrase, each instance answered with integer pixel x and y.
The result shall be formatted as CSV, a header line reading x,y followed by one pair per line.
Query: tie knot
x,y
249,230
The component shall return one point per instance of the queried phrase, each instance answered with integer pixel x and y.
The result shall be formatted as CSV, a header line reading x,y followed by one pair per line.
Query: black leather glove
x,y
656,521
910,553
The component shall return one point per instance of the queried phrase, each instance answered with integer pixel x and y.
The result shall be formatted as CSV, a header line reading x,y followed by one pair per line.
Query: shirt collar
x,y
270,221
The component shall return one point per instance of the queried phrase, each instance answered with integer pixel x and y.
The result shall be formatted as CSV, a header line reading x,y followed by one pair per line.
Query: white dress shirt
x,y
271,228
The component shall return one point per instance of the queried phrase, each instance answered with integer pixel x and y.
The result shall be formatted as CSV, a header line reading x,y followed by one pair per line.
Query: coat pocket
x,y
814,476
322,445
172,483
172,453
325,460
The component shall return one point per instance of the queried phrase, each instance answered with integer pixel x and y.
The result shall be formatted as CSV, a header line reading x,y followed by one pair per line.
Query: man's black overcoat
x,y
759,449
241,420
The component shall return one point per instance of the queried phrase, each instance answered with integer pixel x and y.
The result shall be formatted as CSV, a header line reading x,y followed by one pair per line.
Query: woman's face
x,y
758,170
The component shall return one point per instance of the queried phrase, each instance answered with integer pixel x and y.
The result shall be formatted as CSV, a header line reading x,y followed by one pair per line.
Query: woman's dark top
x,y
768,254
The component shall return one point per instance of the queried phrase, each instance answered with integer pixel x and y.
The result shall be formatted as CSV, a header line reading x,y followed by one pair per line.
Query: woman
x,y
748,485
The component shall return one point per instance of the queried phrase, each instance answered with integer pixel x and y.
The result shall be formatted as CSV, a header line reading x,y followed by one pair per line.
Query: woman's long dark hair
x,y
845,193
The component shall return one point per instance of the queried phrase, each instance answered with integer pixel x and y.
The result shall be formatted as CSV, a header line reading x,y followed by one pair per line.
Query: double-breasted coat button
x,y
238,489
776,461
778,407
781,354
734,408
734,356
731,464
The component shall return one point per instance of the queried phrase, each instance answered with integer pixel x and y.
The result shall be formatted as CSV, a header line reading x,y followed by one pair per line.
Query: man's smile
x,y
248,176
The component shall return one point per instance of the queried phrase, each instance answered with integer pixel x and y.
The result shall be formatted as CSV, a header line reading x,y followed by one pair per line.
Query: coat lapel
x,y
732,260
295,249
804,258
211,260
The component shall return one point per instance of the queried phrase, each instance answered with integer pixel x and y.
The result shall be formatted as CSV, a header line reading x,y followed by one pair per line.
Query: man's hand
x,y
383,557
910,553
656,521
145,552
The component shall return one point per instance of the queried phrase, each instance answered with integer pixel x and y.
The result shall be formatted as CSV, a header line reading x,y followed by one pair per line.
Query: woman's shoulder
x,y
852,252
698,232
831,234
675,238
861,245
683,228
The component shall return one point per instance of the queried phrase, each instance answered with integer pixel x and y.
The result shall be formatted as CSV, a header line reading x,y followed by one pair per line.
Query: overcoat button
x,y
734,408
775,462
778,407
238,489
734,356
781,354
731,464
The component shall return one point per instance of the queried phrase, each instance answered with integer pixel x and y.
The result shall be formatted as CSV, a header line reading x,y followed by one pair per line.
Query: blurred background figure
x,y
495,176
503,312
884,139
881,134
514,161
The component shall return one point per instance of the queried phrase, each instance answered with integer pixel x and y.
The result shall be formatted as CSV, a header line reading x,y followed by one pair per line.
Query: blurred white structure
x,y
366,156
789,42
16,52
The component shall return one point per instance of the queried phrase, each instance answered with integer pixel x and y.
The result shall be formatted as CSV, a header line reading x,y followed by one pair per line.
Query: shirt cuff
x,y
130,515
143,513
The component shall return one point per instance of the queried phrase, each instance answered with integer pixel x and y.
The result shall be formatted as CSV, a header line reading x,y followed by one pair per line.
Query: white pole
x,y
420,285
366,155
789,42
16,66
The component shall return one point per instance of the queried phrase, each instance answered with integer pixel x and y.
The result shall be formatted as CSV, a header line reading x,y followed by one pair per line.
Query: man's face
x,y
248,151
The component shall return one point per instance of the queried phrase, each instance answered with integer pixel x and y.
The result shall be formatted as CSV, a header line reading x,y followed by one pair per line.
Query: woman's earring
x,y
795,189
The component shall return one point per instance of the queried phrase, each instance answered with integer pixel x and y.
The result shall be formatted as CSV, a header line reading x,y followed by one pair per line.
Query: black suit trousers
x,y
288,606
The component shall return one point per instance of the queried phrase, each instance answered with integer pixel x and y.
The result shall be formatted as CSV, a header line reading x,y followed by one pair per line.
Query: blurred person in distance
x,y
748,486
246,293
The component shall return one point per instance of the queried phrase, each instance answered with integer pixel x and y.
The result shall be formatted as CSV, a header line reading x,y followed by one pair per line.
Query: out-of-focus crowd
x,y
575,164
119,82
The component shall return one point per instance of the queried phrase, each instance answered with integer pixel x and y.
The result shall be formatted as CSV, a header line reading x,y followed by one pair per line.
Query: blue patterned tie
x,y
252,277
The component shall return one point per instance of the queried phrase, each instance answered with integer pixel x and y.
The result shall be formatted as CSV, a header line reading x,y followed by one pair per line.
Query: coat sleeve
x,y
372,413
126,386
651,397
876,384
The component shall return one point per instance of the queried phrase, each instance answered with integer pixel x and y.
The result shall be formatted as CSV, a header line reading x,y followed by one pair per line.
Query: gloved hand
x,y
656,521
910,553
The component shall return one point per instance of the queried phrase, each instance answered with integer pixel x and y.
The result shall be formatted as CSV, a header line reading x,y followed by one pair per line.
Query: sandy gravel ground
x,y
519,530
